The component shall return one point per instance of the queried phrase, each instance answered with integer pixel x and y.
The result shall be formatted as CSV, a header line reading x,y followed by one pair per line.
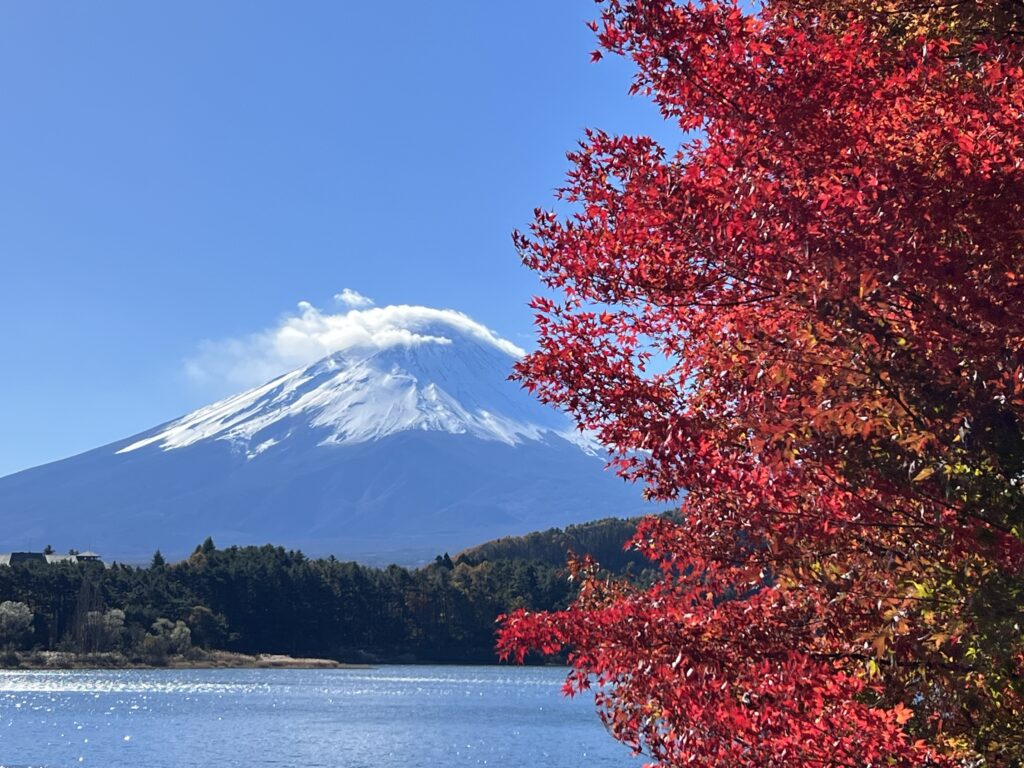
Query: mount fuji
x,y
404,441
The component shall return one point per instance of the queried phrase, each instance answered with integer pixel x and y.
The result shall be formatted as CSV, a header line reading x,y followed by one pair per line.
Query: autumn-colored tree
x,y
962,20
810,319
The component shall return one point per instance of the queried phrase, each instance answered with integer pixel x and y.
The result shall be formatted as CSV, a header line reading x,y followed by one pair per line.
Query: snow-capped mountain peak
x,y
396,437
439,376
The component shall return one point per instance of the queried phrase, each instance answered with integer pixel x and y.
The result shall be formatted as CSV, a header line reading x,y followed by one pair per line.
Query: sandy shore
x,y
199,660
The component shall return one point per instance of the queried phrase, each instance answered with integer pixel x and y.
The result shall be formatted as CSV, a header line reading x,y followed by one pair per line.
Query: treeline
x,y
268,600
602,539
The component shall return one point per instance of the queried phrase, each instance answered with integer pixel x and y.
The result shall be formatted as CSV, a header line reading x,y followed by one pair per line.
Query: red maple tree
x,y
809,319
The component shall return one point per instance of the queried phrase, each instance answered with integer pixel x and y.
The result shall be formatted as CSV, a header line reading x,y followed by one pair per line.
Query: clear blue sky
x,y
177,172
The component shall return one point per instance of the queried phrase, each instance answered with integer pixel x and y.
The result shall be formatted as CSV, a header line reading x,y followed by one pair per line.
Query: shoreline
x,y
58,660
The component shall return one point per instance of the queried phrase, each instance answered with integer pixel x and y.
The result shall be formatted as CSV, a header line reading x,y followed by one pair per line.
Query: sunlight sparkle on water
x,y
391,717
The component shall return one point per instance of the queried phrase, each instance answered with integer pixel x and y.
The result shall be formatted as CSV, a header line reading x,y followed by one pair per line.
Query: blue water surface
x,y
392,716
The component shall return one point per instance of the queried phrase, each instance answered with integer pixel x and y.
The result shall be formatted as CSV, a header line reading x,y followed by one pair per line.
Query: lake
x,y
391,716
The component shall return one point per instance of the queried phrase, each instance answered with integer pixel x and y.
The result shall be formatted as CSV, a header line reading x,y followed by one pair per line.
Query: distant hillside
x,y
604,540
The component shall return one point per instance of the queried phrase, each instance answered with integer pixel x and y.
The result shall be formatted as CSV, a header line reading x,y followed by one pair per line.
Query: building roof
x,y
7,558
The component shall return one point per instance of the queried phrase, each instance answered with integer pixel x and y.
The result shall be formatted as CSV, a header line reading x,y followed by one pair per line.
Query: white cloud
x,y
303,337
353,299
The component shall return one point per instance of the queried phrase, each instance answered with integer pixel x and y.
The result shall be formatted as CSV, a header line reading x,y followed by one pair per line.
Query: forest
x,y
267,600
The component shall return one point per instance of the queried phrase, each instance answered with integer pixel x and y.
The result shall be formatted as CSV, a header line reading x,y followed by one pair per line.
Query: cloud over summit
x,y
353,299
310,333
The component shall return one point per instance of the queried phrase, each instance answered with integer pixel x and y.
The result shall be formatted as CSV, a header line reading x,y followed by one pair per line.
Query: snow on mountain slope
x,y
445,381
405,441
